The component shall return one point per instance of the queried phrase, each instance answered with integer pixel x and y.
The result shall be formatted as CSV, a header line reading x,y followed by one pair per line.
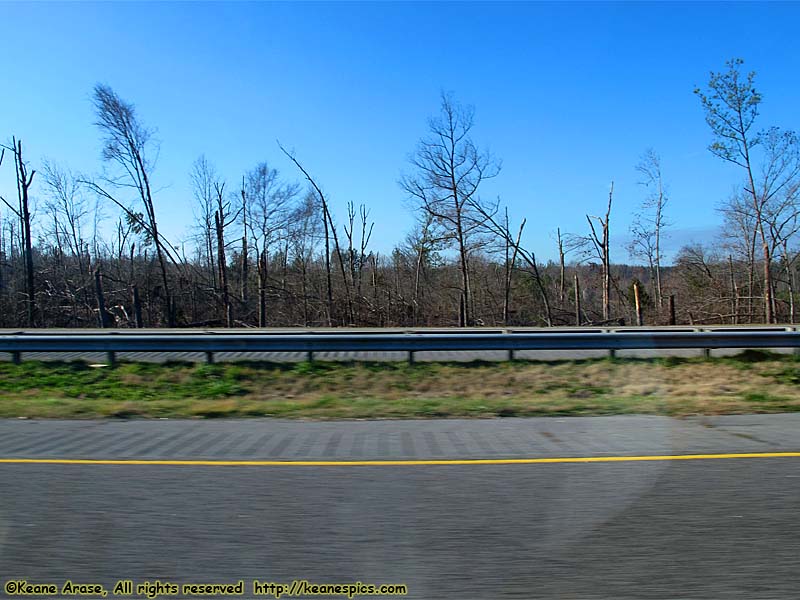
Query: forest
x,y
267,250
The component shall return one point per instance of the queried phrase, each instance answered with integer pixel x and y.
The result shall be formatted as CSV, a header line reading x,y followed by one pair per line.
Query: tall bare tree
x,y
269,205
304,233
330,232
24,179
731,104
448,171
503,231
67,201
602,247
649,223
224,216
203,177
127,147
357,254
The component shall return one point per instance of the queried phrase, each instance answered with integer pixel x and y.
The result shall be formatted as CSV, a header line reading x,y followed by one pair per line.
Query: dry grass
x,y
754,382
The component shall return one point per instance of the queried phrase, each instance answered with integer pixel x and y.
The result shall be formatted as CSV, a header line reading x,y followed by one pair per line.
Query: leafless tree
x,y
504,232
330,232
304,233
128,147
602,247
224,216
448,171
204,177
357,243
67,201
22,211
739,238
731,104
648,224
270,203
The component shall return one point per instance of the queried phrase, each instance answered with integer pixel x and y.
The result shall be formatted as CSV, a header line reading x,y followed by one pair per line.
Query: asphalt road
x,y
700,528
440,356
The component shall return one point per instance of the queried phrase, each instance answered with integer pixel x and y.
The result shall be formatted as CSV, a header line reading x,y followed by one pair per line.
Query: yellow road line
x,y
391,463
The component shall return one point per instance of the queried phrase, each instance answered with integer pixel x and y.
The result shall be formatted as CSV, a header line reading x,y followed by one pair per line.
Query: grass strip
x,y
753,382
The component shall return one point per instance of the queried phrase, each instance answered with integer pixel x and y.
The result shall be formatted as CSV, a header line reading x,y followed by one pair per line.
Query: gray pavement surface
x,y
665,529
443,356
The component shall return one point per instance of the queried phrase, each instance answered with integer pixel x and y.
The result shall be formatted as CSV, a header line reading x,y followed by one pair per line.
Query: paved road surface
x,y
704,528
444,356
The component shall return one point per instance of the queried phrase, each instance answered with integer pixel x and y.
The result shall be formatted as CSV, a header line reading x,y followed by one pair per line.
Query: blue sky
x,y
568,95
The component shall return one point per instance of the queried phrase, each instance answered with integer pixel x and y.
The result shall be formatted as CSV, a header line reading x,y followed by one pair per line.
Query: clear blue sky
x,y
568,95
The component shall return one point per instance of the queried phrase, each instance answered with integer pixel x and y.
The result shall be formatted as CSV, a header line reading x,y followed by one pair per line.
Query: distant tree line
x,y
267,250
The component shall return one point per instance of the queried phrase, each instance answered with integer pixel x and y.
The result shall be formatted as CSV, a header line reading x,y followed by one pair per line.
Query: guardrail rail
x,y
411,341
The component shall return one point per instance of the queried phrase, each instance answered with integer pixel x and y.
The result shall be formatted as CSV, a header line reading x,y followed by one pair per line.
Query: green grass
x,y
751,382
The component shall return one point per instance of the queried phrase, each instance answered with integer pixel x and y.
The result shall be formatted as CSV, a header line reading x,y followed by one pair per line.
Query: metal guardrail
x,y
211,342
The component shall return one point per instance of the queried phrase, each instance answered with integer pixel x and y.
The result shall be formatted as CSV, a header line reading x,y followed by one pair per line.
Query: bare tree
x,y
449,169
423,245
648,224
511,250
24,179
269,207
223,217
731,105
203,177
601,244
561,266
739,237
127,144
304,233
504,232
357,255
330,231
67,201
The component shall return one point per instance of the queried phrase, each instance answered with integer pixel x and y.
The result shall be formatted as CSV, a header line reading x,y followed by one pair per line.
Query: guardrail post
x,y
16,357
706,351
111,358
672,309
410,357
510,350
210,358
310,356
795,349
612,353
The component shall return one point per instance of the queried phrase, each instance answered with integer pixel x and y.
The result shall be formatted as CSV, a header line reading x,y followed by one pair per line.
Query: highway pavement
x,y
426,356
463,509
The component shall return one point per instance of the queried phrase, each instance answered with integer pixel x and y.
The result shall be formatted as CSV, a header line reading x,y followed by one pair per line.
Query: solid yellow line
x,y
391,463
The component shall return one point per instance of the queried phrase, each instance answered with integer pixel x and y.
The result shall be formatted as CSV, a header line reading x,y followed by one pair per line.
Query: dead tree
x,y
330,231
104,319
125,144
648,225
561,266
269,204
203,177
511,252
24,179
244,274
222,219
602,248
449,169
356,255
731,105
502,230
